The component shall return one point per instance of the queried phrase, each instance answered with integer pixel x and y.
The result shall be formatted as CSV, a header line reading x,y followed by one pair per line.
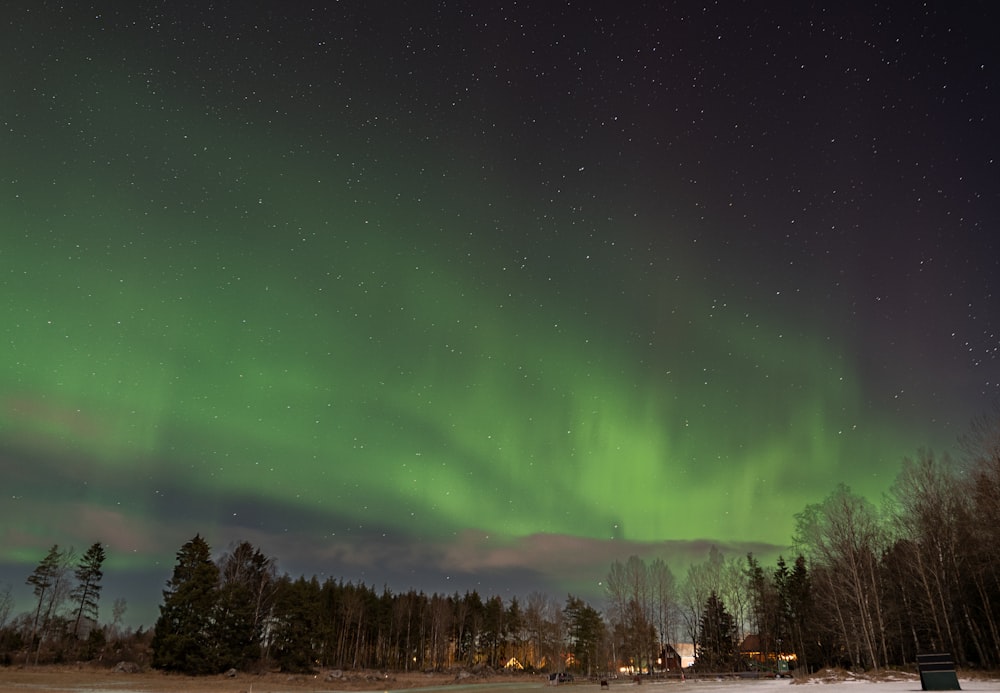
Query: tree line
x,y
869,587
238,612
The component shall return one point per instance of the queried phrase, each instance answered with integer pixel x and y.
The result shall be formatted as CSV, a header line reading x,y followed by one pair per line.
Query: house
x,y
685,651
772,658
669,659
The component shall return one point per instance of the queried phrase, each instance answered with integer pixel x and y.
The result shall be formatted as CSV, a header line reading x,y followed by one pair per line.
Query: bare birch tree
x,y
843,535
663,592
701,581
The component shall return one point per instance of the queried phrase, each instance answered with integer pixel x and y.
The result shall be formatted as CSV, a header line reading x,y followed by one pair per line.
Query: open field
x,y
88,679
49,679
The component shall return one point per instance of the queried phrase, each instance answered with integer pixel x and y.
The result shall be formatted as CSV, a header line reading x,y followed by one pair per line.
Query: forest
x,y
866,587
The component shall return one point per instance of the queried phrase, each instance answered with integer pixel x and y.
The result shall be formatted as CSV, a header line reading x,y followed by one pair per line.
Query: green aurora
x,y
280,359
352,326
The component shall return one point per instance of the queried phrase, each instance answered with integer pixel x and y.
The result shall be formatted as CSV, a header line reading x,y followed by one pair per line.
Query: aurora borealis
x,y
455,296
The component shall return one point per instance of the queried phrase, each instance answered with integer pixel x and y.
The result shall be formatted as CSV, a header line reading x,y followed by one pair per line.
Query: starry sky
x,y
449,295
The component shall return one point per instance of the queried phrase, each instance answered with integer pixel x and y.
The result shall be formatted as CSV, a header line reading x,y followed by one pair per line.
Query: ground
x,y
53,679
87,679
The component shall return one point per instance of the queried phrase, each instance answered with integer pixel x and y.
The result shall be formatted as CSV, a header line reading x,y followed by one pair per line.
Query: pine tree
x,y
293,639
716,650
801,614
246,596
586,633
184,638
49,584
87,592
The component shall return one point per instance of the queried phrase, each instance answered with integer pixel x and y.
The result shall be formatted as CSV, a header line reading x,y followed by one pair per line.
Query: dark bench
x,y
937,672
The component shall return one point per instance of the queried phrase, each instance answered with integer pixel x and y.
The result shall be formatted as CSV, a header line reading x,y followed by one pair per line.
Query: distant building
x,y
772,659
685,652
669,659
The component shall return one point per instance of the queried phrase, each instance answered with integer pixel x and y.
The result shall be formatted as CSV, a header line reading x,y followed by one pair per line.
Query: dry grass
x,y
53,679
837,675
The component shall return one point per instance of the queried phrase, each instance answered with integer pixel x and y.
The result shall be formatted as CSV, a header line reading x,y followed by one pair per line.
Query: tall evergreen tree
x,y
716,648
514,628
184,637
87,592
48,583
766,609
246,596
41,581
798,600
586,632
6,603
293,640
492,637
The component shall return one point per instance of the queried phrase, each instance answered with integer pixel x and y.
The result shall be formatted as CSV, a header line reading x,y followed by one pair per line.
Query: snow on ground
x,y
902,684
835,682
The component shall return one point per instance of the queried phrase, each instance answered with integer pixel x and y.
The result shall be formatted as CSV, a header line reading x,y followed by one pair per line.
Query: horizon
x,y
146,614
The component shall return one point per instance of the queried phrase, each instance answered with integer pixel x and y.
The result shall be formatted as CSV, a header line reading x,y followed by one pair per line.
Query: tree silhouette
x,y
586,631
48,583
245,599
184,639
716,649
87,592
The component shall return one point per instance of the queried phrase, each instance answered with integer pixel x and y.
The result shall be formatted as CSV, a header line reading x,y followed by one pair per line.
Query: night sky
x,y
455,295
